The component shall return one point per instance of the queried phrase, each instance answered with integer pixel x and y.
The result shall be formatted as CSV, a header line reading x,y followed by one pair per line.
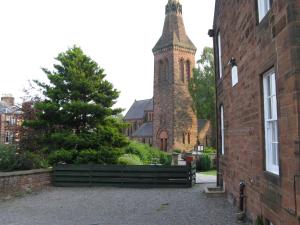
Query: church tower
x,y
174,124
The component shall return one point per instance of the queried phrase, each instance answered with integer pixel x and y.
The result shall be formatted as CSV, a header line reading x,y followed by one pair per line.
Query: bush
x,y
62,156
147,154
177,151
87,156
203,163
130,159
259,221
11,159
210,150
8,157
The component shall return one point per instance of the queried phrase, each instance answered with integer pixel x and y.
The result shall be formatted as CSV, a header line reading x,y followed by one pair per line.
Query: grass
x,y
210,173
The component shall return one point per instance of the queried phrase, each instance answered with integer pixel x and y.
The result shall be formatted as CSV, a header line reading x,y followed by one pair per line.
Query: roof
x,y
201,124
144,131
5,108
138,108
174,33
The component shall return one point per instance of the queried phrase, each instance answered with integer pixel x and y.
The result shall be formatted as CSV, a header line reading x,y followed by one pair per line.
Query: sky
x,y
118,34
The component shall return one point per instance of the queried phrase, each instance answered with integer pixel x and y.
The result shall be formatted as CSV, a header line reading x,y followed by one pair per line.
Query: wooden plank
x,y
120,176
132,180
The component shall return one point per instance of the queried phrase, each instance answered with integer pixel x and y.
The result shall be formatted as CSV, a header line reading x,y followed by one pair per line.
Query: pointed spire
x,y
174,31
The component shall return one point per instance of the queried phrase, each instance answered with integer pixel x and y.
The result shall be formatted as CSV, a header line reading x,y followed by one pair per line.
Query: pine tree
x,y
77,111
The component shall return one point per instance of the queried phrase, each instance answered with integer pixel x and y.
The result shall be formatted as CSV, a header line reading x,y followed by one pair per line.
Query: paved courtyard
x,y
117,206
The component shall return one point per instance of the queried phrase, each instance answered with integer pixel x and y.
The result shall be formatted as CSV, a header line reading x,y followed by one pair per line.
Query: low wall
x,y
21,182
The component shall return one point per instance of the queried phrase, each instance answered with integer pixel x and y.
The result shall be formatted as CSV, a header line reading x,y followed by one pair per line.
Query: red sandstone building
x,y
257,52
11,119
167,121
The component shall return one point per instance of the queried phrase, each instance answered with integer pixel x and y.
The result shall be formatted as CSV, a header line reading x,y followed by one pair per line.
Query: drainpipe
x,y
211,33
242,196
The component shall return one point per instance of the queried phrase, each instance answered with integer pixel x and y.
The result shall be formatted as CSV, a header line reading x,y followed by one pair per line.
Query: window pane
x,y
222,129
274,154
263,8
234,75
274,131
220,55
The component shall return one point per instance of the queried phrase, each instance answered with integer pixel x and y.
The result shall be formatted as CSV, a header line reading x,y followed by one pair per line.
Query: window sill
x,y
273,178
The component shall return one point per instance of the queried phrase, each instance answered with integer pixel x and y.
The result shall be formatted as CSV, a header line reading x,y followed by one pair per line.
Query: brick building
x,y
170,122
257,52
10,121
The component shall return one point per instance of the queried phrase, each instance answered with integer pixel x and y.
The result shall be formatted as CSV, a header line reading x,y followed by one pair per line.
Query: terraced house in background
x,y
11,119
257,53
167,121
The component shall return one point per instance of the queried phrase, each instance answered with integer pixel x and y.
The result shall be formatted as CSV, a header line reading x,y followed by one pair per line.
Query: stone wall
x,y
21,182
258,46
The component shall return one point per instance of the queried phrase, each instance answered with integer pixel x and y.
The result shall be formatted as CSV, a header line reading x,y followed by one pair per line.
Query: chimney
x,y
8,99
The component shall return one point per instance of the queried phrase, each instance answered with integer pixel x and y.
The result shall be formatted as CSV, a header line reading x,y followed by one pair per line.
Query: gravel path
x,y
117,206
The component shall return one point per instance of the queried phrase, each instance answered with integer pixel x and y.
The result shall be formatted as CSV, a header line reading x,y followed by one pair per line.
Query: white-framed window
x,y
234,75
7,137
263,8
271,123
220,55
222,129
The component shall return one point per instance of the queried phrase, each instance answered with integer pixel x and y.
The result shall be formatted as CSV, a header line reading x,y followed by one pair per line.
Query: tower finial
x,y
174,6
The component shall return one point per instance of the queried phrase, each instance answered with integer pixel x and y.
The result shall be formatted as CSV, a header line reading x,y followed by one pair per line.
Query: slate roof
x,y
144,131
138,108
5,108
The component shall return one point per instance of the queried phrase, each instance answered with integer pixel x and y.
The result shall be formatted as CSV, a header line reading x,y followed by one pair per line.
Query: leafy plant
x,y
177,151
87,156
62,156
8,156
147,154
203,163
259,221
210,150
129,159
11,159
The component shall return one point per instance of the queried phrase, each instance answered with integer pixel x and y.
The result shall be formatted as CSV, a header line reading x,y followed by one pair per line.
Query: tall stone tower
x,y
174,124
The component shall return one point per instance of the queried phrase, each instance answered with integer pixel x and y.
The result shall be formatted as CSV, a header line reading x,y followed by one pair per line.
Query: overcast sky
x,y
118,34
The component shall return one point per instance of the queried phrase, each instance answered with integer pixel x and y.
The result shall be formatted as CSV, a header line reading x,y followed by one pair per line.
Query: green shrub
x,y
62,156
259,221
165,159
87,156
177,151
210,150
203,163
11,159
141,150
147,154
129,159
28,161
8,157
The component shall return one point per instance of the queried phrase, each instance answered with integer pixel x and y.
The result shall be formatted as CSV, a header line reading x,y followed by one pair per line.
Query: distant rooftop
x,y
144,131
138,108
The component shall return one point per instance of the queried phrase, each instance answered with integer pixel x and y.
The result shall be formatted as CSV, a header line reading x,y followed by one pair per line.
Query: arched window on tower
x,y
160,70
183,138
188,70
181,70
189,138
166,69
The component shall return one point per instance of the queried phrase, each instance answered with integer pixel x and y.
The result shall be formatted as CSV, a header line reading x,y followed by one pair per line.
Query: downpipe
x,y
241,215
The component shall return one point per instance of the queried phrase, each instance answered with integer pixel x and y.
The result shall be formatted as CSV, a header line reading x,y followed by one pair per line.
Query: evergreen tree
x,y
76,113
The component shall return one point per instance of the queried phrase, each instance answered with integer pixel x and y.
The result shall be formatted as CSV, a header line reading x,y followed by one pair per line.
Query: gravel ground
x,y
117,206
